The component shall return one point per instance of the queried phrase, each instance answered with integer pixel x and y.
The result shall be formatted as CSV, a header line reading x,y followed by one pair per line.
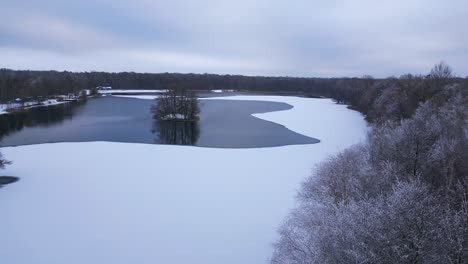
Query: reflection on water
x,y
176,132
36,117
222,124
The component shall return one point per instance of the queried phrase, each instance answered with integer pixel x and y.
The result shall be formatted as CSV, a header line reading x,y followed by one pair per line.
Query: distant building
x,y
70,97
102,88
85,92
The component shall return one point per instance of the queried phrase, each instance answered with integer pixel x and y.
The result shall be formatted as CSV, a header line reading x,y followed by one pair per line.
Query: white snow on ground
x,y
149,91
4,107
50,102
222,91
103,202
145,97
130,91
174,117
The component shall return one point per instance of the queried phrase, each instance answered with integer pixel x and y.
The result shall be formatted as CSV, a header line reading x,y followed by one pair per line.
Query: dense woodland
x,y
399,197
22,84
403,94
379,99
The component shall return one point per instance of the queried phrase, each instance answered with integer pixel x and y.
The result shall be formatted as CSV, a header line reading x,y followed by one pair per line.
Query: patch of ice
x,y
130,91
222,91
144,97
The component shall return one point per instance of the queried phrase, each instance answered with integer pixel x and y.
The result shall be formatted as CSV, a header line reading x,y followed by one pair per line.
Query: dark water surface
x,y
222,124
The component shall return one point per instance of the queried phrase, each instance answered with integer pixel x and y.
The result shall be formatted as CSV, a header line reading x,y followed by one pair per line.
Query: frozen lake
x,y
222,124
119,203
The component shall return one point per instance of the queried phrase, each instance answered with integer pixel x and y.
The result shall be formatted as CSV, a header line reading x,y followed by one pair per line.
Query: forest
x,y
398,197
403,94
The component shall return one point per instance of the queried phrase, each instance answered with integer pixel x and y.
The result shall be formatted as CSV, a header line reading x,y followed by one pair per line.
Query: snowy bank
x,y
102,202
16,106
144,97
130,91
222,91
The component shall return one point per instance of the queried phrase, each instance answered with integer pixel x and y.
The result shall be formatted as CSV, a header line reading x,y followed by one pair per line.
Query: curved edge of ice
x,y
307,115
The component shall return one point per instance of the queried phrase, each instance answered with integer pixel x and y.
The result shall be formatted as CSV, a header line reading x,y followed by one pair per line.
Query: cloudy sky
x,y
311,38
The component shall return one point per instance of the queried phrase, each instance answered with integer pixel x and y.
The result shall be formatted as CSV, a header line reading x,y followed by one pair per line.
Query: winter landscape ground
x,y
102,202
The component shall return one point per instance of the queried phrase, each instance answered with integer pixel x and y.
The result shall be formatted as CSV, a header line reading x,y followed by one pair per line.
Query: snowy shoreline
x,y
50,102
136,91
104,202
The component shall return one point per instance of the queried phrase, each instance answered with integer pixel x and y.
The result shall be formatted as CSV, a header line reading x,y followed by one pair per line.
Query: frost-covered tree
x,y
432,144
400,197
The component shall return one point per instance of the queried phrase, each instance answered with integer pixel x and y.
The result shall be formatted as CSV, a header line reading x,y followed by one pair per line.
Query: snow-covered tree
x,y
400,197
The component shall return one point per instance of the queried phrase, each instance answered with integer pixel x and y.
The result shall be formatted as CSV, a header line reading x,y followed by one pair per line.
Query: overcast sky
x,y
311,38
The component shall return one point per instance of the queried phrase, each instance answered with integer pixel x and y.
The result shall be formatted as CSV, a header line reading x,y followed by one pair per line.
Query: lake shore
x,y
117,202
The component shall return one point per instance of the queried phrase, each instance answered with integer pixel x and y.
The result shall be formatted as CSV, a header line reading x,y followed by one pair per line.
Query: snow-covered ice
x,y
221,91
145,97
102,202
122,91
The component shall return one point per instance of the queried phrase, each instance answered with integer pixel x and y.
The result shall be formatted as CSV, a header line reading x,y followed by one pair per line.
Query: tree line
x,y
399,197
14,83
403,94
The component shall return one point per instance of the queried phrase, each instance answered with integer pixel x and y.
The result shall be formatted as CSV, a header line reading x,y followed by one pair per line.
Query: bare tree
x,y
441,71
441,74
177,103
3,162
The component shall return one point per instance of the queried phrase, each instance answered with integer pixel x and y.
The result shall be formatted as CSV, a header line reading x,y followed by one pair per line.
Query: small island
x,y
177,103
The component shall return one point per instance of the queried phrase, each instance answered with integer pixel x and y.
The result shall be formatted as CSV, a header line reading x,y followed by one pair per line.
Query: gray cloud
x,y
296,38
